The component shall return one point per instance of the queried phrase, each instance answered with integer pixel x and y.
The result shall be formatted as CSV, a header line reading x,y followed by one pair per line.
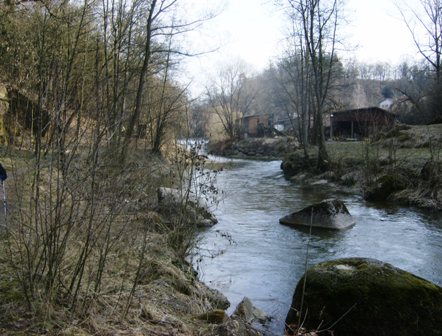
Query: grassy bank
x,y
401,166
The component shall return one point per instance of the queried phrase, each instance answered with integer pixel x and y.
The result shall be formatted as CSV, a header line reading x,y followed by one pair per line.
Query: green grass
x,y
356,153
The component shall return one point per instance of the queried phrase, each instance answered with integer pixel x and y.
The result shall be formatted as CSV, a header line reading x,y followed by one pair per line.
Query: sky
x,y
377,28
254,31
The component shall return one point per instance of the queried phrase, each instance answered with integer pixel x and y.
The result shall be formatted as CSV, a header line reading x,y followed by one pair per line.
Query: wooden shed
x,y
360,123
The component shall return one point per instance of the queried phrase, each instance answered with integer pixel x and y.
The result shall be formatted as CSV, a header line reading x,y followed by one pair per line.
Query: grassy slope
x,y
412,146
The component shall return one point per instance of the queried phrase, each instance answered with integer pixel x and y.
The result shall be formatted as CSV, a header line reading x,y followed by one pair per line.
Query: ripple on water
x,y
263,260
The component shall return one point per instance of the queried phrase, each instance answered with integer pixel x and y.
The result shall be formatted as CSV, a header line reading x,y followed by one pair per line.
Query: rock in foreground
x,y
329,214
366,297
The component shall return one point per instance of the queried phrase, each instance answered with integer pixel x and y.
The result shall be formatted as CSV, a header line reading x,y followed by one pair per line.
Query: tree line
x,y
112,62
97,82
312,79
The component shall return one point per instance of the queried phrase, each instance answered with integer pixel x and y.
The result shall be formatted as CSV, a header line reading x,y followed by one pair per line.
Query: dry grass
x,y
410,145
154,293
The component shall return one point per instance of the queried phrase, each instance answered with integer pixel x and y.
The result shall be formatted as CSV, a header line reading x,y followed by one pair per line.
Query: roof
x,y
256,115
360,113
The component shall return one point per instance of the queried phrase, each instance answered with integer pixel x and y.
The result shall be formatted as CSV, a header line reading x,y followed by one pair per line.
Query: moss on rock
x,y
358,296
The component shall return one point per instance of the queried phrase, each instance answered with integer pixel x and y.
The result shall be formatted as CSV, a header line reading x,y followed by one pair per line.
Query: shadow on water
x,y
248,253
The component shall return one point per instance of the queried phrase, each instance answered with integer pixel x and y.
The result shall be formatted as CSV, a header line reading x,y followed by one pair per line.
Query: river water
x,y
248,253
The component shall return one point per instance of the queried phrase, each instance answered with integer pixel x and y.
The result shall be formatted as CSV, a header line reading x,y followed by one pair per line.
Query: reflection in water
x,y
250,254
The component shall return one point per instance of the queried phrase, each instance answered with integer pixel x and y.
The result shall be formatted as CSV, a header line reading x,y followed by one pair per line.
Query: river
x,y
248,253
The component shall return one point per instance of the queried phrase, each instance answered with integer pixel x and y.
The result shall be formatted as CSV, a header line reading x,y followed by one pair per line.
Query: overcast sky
x,y
253,30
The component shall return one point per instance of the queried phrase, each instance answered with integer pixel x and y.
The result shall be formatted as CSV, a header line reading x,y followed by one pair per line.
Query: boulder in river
x,y
365,297
328,214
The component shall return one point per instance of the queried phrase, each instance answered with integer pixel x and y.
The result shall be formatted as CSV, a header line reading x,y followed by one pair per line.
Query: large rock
x,y
329,214
17,112
365,297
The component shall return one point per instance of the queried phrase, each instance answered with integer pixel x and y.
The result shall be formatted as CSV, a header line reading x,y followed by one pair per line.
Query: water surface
x,y
248,253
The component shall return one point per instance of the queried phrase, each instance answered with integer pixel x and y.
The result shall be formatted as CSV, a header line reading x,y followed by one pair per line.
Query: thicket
x,y
105,116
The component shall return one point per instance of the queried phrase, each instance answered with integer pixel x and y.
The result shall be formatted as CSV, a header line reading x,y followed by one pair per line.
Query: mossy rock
x,y
366,297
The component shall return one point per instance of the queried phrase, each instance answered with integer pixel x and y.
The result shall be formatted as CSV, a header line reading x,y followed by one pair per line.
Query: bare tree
x,y
160,26
427,19
414,82
317,27
295,82
230,97
425,26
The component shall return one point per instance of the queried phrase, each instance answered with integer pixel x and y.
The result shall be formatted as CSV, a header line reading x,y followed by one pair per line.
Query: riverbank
x,y
264,260
402,166
253,148
135,278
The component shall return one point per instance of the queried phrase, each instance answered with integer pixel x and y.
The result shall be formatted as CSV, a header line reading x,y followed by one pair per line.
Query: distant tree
x,y
387,92
230,95
294,81
414,82
198,119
